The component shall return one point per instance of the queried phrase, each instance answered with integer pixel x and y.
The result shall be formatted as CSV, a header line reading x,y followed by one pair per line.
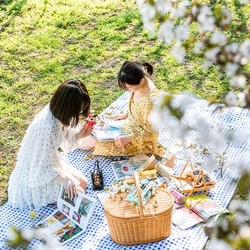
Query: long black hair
x,y
69,101
132,72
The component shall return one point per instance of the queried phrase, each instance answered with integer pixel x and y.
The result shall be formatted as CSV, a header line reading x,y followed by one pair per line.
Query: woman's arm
x,y
72,135
85,131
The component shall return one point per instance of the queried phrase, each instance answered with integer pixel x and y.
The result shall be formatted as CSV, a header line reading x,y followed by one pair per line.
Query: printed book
x,y
70,219
196,209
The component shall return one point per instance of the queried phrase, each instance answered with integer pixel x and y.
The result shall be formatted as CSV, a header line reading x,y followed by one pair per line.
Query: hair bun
x,y
149,68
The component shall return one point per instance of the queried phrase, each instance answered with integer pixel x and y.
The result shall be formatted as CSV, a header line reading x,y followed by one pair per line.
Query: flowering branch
x,y
202,29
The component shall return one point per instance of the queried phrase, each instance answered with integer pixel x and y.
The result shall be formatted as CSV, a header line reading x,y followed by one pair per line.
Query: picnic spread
x,y
97,236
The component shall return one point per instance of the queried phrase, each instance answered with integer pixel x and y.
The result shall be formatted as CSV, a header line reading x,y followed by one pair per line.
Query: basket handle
x,y
137,184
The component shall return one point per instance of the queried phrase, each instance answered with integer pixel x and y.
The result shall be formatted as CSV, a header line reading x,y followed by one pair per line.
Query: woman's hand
x,y
122,140
120,117
70,186
85,131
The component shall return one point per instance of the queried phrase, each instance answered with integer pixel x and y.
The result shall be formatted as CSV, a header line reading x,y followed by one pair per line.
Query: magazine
x,y
123,169
110,132
126,168
70,219
196,209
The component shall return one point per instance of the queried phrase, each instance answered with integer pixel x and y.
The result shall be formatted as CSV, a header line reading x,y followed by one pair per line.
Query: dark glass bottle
x,y
97,177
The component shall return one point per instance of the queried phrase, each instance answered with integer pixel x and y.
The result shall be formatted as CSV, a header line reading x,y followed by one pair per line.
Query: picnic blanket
x,y
97,234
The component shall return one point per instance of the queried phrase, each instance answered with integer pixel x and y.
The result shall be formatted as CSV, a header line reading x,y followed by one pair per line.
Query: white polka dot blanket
x,y
97,233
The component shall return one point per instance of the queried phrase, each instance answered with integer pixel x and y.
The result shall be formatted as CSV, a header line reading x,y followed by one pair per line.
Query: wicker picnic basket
x,y
130,225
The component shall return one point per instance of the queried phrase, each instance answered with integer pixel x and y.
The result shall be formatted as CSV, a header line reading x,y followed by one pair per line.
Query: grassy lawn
x,y
45,42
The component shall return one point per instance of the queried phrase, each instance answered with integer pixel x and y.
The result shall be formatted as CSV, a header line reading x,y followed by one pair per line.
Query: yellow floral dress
x,y
144,139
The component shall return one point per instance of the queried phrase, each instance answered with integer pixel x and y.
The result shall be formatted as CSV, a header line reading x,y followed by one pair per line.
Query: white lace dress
x,y
33,181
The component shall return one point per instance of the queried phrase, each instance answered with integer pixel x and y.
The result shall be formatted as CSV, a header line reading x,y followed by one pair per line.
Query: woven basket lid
x,y
123,209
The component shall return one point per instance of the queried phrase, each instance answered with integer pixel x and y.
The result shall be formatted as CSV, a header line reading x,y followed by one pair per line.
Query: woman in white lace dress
x,y
39,170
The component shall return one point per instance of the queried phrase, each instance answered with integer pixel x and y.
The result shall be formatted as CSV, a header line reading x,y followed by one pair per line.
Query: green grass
x,y
45,42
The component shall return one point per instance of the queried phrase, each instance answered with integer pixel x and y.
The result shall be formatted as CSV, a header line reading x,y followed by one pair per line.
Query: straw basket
x,y
130,225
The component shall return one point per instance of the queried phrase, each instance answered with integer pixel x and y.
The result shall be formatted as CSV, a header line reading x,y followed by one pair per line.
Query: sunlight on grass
x,y
45,42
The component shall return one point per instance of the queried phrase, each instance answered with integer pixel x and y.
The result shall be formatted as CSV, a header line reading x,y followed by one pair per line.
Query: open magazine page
x,y
123,169
203,206
112,131
196,209
78,209
126,168
58,226
185,218
71,218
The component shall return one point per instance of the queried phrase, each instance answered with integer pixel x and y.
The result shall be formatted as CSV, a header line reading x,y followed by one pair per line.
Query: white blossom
x,y
224,225
184,3
244,232
40,233
207,64
241,217
180,10
204,12
50,242
226,17
147,10
149,26
218,38
124,187
218,245
232,48
231,99
240,205
155,119
237,58
211,54
231,69
194,10
166,32
163,7
11,234
186,100
242,98
238,81
205,19
140,2
181,32
178,52
27,234
210,164
198,47
244,1
245,48
148,13
180,130
202,127
244,61
113,190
